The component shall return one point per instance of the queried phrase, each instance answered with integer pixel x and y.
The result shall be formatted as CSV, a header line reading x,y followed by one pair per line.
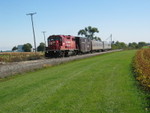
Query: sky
x,y
127,20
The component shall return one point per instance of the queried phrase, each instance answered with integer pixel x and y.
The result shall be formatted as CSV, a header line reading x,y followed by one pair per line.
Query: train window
x,y
54,38
51,39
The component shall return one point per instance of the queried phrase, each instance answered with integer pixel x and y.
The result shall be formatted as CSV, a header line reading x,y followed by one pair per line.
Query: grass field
x,y
101,84
146,47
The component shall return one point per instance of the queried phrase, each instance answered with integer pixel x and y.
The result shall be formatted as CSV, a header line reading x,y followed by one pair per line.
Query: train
x,y
67,45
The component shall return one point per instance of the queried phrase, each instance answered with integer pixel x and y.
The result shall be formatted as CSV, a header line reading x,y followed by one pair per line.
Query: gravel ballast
x,y
9,69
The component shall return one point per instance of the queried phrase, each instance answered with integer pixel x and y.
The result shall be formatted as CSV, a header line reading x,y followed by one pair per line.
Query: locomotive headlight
x,y
51,43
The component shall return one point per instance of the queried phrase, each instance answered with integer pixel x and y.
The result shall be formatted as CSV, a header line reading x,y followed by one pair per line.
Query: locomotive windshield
x,y
54,38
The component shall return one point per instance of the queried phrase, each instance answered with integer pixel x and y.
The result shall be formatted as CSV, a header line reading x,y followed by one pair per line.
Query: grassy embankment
x,y
101,84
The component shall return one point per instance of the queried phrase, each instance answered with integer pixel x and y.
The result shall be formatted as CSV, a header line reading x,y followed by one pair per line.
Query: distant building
x,y
7,51
20,48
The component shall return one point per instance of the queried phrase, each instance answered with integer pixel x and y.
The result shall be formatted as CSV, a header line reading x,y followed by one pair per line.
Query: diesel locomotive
x,y
66,45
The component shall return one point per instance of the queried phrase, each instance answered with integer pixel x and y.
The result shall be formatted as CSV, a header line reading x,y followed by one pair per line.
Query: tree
x,y
97,38
14,48
123,45
88,32
133,45
27,47
41,47
141,44
119,45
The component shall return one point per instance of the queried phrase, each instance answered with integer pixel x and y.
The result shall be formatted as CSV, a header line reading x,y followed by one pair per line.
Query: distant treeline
x,y
133,45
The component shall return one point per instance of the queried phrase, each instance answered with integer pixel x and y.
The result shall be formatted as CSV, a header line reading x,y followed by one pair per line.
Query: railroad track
x,y
9,69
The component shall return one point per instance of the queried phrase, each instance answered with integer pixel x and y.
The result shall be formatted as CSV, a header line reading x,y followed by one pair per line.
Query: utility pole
x,y
31,14
111,38
44,37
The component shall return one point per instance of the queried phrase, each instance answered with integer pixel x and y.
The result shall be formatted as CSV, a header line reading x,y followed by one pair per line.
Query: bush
x,y
141,64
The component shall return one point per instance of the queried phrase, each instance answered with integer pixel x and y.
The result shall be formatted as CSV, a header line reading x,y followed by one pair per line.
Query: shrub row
x,y
19,56
141,64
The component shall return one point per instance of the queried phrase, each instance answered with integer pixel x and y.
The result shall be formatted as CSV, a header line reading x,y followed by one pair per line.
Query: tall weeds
x,y
141,64
20,56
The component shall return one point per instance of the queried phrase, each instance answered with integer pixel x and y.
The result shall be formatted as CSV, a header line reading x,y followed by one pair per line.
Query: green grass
x,y
101,84
146,47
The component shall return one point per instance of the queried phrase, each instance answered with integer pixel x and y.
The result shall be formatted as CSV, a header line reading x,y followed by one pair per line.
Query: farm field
x,y
100,84
19,56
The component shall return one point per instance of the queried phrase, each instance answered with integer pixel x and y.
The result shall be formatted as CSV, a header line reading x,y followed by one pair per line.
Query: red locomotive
x,y
60,45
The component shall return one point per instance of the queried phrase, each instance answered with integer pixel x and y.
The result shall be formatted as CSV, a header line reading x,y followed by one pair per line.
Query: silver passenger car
x,y
97,45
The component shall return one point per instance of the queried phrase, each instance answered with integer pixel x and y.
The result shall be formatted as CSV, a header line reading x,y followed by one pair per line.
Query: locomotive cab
x,y
54,43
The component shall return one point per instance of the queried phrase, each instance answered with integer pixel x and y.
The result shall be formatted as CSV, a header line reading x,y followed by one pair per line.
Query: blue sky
x,y
127,20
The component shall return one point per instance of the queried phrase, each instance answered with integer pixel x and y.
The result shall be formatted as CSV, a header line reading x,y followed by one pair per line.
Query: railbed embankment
x,y
8,69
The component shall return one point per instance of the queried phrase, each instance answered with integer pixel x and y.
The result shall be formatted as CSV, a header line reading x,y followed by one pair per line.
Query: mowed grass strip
x,y
101,84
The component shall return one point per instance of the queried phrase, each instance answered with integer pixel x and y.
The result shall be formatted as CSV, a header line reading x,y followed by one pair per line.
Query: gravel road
x,y
9,69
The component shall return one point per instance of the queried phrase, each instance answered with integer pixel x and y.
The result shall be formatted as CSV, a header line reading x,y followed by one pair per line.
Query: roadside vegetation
x,y
20,56
100,84
141,69
141,64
